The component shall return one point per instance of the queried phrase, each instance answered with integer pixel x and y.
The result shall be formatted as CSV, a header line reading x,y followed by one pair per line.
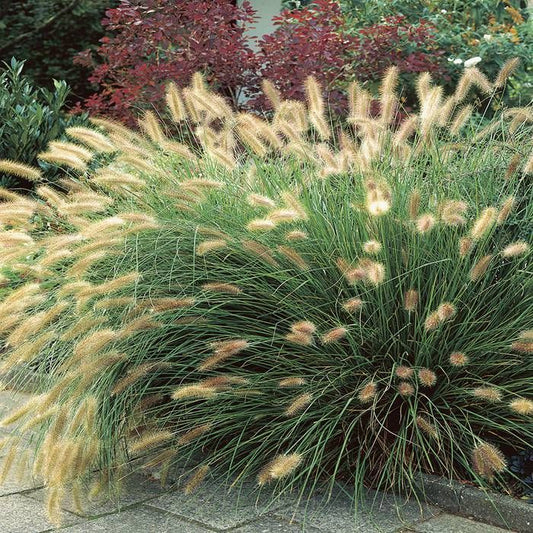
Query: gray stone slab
x,y
447,523
497,509
13,485
269,524
24,515
439,491
381,513
137,488
218,508
140,519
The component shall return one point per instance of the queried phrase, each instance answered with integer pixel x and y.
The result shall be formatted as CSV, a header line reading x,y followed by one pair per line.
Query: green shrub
x,y
493,30
30,118
48,35
288,303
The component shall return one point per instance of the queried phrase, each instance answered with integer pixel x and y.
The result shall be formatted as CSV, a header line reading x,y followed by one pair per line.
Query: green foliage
x,y
30,117
494,30
54,32
247,306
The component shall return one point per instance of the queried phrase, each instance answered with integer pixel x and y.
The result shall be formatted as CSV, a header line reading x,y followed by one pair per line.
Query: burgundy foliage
x,y
155,41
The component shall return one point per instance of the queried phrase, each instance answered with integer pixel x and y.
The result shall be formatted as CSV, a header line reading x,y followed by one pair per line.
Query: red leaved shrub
x,y
156,41
161,40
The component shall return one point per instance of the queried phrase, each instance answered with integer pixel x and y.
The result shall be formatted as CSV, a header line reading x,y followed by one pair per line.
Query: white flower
x,y
457,61
472,61
488,37
443,11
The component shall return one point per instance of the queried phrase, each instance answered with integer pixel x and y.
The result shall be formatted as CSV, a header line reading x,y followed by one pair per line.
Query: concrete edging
x,y
491,508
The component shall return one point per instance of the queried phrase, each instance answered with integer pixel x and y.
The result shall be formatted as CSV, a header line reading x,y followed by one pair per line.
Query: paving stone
x,y
137,488
137,520
24,515
214,506
269,524
448,523
497,509
13,485
380,514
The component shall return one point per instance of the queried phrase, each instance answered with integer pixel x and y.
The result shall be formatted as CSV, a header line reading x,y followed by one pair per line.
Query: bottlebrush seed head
x,y
368,392
427,377
522,406
488,460
458,359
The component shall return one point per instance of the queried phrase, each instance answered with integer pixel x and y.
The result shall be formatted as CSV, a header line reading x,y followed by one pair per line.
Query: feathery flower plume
x,y
367,393
480,268
405,389
334,335
483,223
18,169
458,359
142,323
427,377
298,404
372,247
292,382
196,479
430,110
446,311
465,246
91,138
133,375
222,350
151,126
193,434
410,300
375,272
506,71
110,303
294,257
262,201
212,232
283,215
227,288
193,391
460,119
63,158
271,93
175,103
429,429
388,100
262,251
150,440
110,286
28,351
522,406
490,394
261,225
71,148
404,372
513,165
296,235
294,204
159,305
451,212
525,342
250,138
281,466
515,249
93,343
352,304
96,229
425,223
488,460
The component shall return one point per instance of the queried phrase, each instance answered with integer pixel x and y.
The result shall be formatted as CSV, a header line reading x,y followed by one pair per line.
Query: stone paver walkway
x,y
146,507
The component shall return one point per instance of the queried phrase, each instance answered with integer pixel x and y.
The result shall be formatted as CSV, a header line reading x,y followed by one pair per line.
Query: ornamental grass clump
x,y
295,304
